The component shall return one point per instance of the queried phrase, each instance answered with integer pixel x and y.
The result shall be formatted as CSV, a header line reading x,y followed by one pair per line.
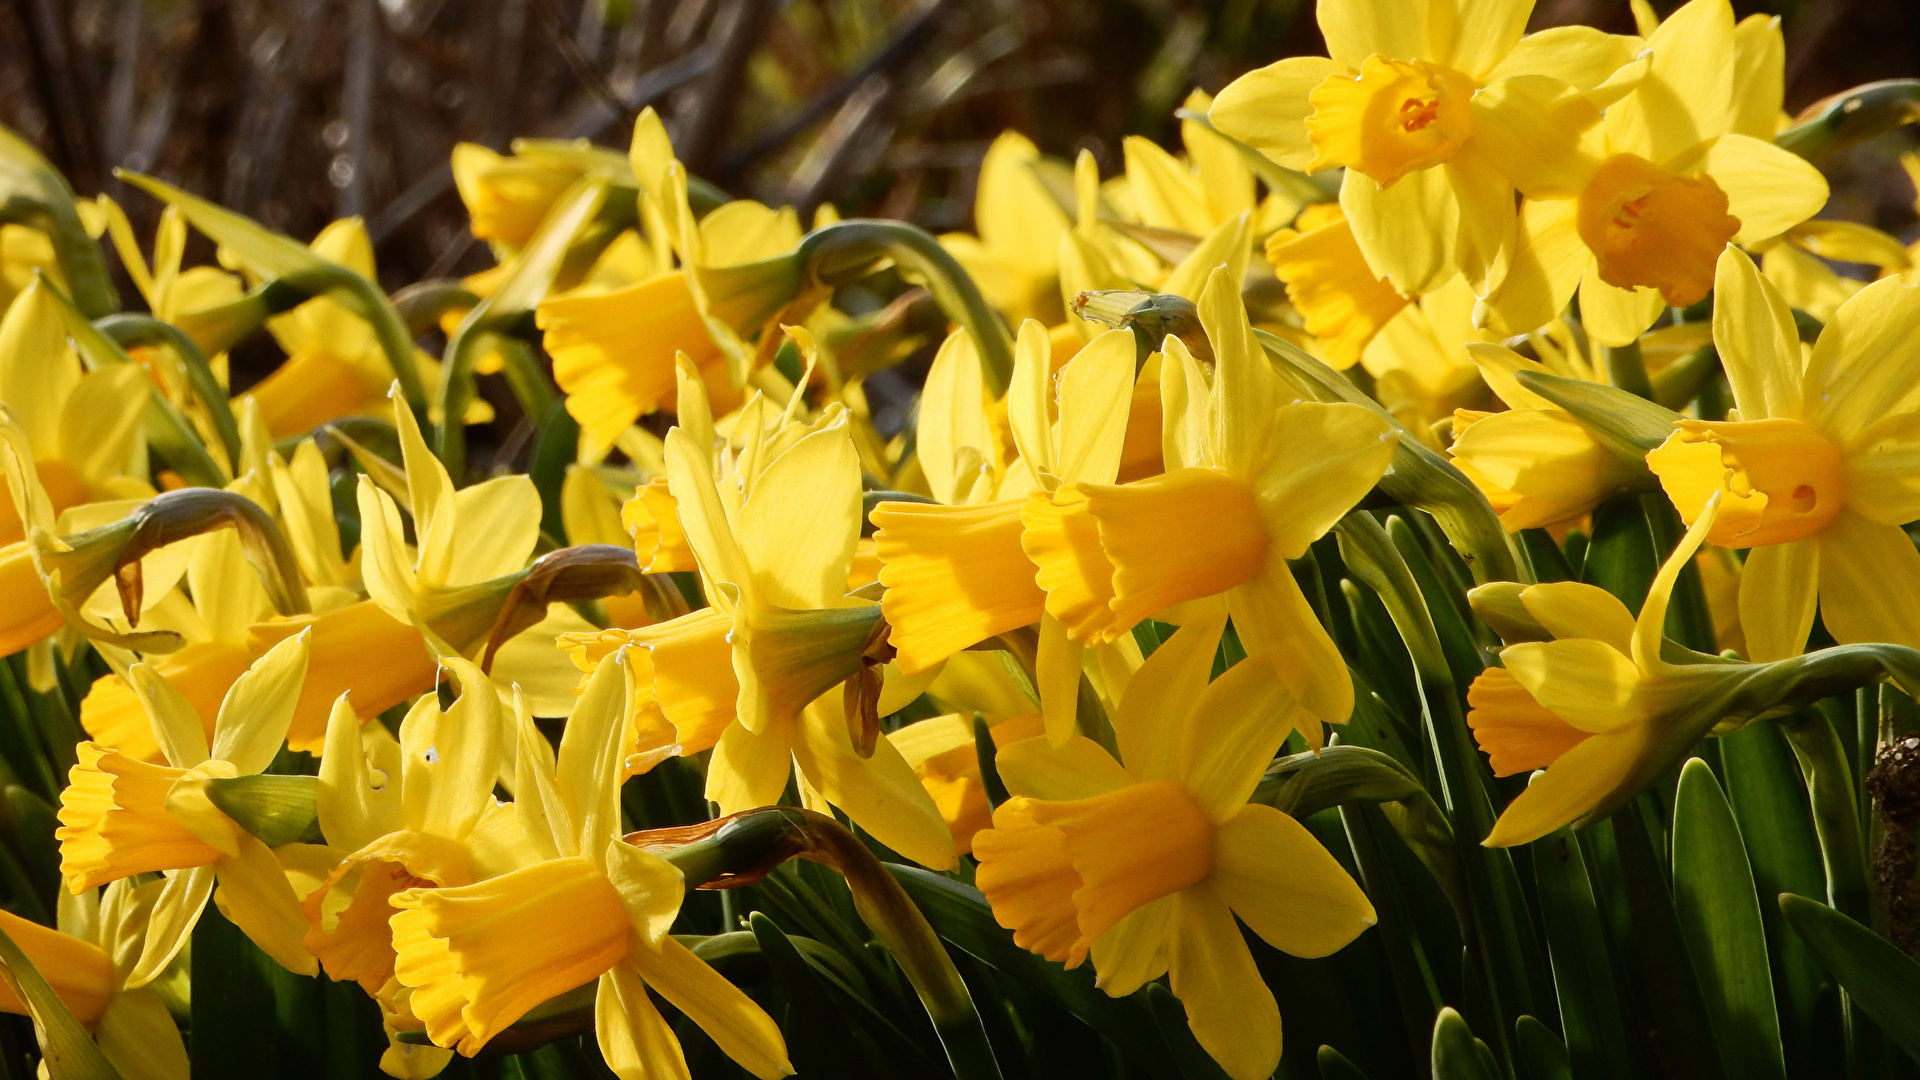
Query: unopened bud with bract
x,y
1499,605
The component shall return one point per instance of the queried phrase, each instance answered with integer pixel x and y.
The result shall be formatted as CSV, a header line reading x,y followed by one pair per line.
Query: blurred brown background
x,y
300,111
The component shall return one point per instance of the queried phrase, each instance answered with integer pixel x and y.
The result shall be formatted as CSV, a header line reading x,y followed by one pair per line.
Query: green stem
x,y
129,330
1627,370
847,250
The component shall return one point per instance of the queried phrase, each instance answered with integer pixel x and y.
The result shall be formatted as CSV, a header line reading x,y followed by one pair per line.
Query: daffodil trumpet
x,y
1608,704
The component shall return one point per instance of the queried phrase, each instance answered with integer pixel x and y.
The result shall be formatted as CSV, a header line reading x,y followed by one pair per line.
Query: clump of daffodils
x,y
1447,437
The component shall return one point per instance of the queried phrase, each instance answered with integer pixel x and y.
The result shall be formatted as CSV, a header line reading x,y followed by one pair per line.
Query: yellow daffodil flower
x,y
1398,105
1537,465
773,528
1253,478
1596,707
1816,473
1633,208
120,816
478,956
955,572
942,752
1146,862
1345,304
87,960
84,427
508,197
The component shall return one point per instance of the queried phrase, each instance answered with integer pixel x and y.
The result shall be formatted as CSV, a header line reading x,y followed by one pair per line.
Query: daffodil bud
x,y
1627,424
275,809
1851,117
1498,605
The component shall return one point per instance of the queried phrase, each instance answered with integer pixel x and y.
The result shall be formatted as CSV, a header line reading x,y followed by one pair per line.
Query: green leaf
x,y
1583,977
554,448
819,1038
1542,1052
1621,557
66,1049
1882,980
1769,801
1719,916
1335,1066
1682,1035
1457,1055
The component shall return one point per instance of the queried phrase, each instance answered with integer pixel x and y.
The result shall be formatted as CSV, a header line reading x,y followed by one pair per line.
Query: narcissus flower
x,y
1818,473
1597,706
955,572
120,817
1145,863
479,956
1634,207
1252,481
86,961
1397,105
1020,223
1345,304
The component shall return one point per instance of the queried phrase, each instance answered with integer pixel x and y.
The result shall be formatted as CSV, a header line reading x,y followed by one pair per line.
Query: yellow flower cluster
x,y
1503,279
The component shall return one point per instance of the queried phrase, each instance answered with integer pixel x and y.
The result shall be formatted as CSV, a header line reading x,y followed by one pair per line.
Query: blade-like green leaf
x,y
1583,977
1882,980
1457,1055
33,193
1542,1054
819,1038
1719,914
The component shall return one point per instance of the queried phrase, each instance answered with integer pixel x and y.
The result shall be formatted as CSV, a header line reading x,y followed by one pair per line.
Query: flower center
x,y
1131,847
1651,227
1393,118
1782,480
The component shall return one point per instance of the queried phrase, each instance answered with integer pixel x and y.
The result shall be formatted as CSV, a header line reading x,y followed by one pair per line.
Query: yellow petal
x,y
1541,132
175,912
1687,95
1285,885
879,793
1486,214
1029,410
1229,1008
1169,194
1869,582
176,725
741,1028
586,769
1274,619
1407,230
1883,470
1482,34
31,615
256,712
1014,211
800,521
1615,316
1247,389
1759,76
1768,189
1137,949
1571,788
1863,363
1096,390
1546,263
1150,721
635,1040
1226,246
748,769
255,895
954,439
1343,302
80,973
651,889
1235,728
1587,683
1078,769
1571,609
1778,589
1267,108
141,1040
1580,56
1323,459
1759,346
1355,29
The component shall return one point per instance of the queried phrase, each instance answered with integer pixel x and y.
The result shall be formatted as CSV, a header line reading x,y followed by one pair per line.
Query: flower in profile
x,y
1345,304
1144,863
1817,475
1633,208
1253,479
1398,104
120,816
507,197
592,907
1015,257
86,961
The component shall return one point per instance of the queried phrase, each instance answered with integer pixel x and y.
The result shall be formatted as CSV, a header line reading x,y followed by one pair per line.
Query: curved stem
x,y
131,329
847,250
